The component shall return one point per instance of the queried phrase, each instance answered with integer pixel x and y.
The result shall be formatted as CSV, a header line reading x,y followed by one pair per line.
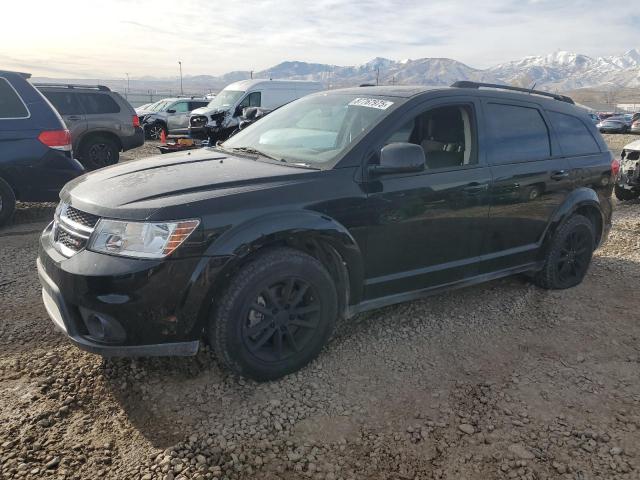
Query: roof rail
x,y
102,88
470,84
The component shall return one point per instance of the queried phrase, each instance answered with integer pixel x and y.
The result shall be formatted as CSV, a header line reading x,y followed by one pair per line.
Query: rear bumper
x,y
133,141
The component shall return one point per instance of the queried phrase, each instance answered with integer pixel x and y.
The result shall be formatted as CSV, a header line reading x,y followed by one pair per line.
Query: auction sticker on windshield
x,y
371,103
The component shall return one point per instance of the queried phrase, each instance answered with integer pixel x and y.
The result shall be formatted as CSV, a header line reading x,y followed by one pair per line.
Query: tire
x,y
97,152
7,202
568,258
625,194
275,316
531,193
154,131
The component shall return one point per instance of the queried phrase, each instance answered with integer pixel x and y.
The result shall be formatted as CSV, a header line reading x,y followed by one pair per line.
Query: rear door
x,y
71,111
531,179
103,113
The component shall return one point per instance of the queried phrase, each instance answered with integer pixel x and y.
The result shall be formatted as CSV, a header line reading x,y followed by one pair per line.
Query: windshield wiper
x,y
254,151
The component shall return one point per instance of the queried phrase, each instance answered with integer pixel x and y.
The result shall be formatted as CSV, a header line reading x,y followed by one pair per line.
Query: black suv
x,y
101,122
35,148
337,203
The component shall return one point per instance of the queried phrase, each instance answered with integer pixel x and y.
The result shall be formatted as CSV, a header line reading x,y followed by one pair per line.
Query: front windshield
x,y
225,99
314,130
158,106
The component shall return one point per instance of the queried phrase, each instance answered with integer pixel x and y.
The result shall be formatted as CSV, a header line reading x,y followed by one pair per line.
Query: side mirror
x,y
171,111
238,111
250,113
399,158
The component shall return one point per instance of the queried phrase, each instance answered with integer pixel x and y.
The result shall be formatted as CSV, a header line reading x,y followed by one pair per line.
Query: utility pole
x,y
251,74
377,75
127,94
181,91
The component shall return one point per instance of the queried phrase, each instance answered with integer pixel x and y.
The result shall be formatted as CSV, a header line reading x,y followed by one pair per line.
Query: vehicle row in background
x,y
616,124
37,158
169,115
628,181
102,123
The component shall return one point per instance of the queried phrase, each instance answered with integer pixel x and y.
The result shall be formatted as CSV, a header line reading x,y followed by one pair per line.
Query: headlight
x,y
140,239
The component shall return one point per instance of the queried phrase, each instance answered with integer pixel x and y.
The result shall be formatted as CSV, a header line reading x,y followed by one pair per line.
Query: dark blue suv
x,y
36,159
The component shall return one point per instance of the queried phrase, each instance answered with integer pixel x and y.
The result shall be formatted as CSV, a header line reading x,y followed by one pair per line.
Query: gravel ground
x,y
501,380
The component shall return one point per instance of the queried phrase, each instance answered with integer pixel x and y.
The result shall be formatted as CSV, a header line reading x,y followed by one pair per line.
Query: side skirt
x,y
426,292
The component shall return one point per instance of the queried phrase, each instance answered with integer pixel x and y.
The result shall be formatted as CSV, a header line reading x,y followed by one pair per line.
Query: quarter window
x,y
96,103
573,135
444,133
517,134
11,105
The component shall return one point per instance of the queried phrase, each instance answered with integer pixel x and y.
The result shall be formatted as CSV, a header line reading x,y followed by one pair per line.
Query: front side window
x,y
573,135
66,103
11,105
251,100
180,107
98,103
445,134
516,134
314,130
194,105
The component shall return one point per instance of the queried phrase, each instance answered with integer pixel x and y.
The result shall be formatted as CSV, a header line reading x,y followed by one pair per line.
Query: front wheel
x,y
568,258
276,315
154,131
625,194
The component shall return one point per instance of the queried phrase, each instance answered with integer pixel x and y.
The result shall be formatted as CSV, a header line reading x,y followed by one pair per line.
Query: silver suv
x,y
170,115
101,122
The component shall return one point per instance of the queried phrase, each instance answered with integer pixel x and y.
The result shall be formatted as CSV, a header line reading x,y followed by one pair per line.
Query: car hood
x,y
633,145
142,189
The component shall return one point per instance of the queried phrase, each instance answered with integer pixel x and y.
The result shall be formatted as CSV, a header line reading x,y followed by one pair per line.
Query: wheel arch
x,y
98,133
314,234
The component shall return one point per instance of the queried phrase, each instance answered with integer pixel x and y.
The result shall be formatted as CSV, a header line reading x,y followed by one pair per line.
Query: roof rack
x,y
102,88
470,84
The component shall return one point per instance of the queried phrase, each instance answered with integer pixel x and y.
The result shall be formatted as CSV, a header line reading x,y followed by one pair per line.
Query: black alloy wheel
x,y
99,152
154,131
282,320
275,315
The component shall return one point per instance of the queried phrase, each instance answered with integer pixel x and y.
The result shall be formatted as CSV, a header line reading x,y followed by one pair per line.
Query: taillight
x,y
615,167
136,121
56,139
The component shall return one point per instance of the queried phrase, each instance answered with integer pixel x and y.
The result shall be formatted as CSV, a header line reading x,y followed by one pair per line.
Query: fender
x,y
96,131
578,198
303,227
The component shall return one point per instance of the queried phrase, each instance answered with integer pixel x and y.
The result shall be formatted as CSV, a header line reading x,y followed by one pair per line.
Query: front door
x,y
428,227
178,118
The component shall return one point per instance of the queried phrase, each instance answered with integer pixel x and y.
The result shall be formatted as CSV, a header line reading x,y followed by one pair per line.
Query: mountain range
x,y
559,71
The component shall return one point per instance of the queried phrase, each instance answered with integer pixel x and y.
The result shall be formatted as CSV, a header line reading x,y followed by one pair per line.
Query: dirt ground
x,y
502,380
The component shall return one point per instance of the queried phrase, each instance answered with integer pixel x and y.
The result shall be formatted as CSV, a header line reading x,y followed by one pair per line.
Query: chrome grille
x,y
72,229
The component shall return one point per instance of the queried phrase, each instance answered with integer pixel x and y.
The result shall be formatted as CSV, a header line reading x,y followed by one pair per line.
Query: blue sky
x,y
88,38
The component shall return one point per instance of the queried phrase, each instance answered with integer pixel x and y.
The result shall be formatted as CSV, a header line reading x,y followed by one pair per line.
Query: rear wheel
x,y
275,316
625,194
98,152
7,202
568,258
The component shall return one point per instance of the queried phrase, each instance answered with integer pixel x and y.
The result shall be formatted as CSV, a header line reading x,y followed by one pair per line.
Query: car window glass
x,y
445,134
180,107
11,105
573,135
194,105
66,103
326,118
251,100
516,134
96,103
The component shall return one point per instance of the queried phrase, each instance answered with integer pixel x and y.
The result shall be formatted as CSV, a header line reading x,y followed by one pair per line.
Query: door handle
x,y
559,175
74,118
475,188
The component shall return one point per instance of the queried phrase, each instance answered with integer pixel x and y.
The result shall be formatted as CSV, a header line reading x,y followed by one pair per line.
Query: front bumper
x,y
116,306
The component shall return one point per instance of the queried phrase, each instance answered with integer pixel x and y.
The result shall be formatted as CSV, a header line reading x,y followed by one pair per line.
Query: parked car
x,y
337,203
169,115
635,127
221,116
615,124
594,118
628,181
36,157
101,122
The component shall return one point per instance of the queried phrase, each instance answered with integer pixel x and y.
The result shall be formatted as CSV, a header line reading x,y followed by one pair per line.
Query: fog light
x,y
102,328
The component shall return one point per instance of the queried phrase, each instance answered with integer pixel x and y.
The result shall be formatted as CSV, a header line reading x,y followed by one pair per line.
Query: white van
x,y
219,118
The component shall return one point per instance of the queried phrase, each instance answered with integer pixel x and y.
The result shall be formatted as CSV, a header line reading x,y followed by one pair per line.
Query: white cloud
x,y
108,38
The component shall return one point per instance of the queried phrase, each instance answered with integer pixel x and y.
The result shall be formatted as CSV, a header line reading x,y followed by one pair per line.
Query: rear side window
x,y
518,134
66,103
95,103
573,135
11,105
180,107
